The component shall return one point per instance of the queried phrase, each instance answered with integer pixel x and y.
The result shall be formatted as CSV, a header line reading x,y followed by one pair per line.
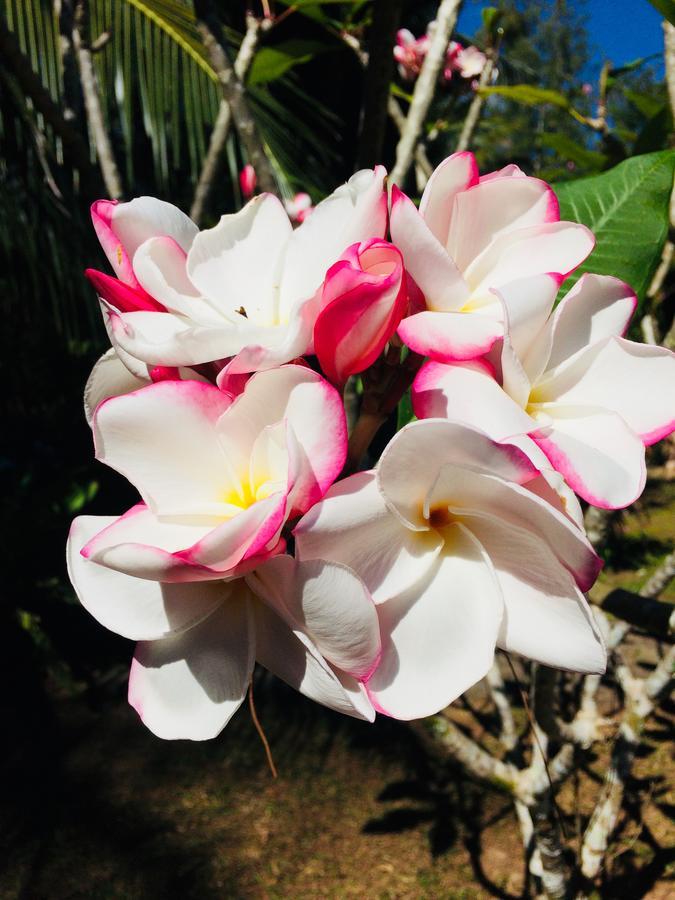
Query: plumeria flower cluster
x,y
258,537
410,52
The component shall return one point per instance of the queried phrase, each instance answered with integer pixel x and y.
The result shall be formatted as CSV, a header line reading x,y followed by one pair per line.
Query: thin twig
x,y
221,128
211,33
92,101
476,106
261,733
425,87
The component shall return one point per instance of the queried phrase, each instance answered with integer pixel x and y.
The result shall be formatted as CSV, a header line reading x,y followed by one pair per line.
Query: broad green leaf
x,y
627,209
530,95
568,148
656,132
647,104
629,67
271,63
666,8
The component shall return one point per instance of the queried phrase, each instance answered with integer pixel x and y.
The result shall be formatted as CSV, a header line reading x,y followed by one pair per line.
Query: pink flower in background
x,y
247,181
460,557
469,61
364,297
218,480
409,53
588,398
472,235
299,207
246,291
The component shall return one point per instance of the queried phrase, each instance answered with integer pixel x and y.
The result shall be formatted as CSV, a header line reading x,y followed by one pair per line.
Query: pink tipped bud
x,y
364,298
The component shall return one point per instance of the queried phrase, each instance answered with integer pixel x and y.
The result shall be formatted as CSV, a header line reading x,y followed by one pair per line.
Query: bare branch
x,y
234,94
221,127
508,735
476,107
92,101
425,87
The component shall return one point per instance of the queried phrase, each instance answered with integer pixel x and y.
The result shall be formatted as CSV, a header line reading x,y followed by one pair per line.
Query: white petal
x,y
412,460
190,685
546,617
449,179
146,217
175,461
597,307
425,258
109,378
160,266
292,657
528,303
238,262
312,408
438,639
133,607
354,212
556,248
328,603
637,381
492,208
600,457
353,526
466,493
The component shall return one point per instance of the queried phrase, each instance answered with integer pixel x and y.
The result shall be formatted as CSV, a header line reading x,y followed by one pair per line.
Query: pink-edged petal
x,y
109,378
410,463
313,410
354,212
238,262
513,375
528,303
353,526
160,266
596,452
550,484
328,603
448,336
597,307
449,179
490,209
133,607
466,493
291,656
174,460
637,381
468,393
190,685
438,639
425,258
122,296
547,618
556,248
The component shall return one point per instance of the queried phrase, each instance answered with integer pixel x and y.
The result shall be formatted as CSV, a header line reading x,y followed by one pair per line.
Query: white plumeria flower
x,y
471,235
460,558
219,479
247,288
587,397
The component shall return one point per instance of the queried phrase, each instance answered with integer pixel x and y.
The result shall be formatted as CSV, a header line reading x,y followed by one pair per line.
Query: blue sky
x,y
619,30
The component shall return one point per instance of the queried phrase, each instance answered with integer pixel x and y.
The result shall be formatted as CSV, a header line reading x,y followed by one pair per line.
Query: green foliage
x,y
530,95
567,148
627,209
271,63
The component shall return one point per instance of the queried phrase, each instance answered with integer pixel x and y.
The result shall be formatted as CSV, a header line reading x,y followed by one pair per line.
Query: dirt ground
x,y
96,807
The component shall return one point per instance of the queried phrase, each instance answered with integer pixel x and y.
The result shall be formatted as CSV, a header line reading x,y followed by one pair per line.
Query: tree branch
x,y
92,101
425,87
476,107
221,127
234,94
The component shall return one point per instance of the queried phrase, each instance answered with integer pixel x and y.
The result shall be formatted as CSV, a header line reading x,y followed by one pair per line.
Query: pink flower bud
x,y
247,181
364,298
